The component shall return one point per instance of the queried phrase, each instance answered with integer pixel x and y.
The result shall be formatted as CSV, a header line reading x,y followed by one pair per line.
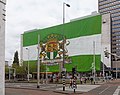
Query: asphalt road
x,y
106,89
11,91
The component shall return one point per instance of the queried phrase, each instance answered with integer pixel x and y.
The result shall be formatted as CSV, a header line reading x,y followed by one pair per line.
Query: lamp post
x,y
14,74
9,69
94,68
28,65
103,67
116,67
64,4
38,63
9,73
46,74
116,71
116,57
107,56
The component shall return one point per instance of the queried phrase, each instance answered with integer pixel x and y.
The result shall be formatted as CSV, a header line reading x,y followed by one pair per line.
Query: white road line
x,y
117,91
104,90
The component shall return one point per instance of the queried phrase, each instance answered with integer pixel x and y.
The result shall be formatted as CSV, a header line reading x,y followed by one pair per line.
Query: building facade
x,y
2,45
80,35
113,7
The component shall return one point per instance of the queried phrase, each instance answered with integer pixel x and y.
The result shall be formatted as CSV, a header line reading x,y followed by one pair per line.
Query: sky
x,y
25,15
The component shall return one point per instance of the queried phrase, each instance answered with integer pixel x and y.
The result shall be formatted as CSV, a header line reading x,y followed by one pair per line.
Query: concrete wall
x,y
2,45
106,39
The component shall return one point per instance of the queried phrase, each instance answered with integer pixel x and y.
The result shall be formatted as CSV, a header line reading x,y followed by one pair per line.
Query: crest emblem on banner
x,y
52,48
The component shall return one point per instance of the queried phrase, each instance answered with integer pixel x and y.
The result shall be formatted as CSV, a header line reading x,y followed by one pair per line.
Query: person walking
x,y
91,79
71,82
81,80
85,80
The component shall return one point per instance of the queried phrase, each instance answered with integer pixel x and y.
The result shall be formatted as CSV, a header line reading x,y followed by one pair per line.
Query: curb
x,y
68,92
38,89
28,88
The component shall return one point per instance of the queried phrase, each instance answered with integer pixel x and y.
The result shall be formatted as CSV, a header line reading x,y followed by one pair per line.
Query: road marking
x,y
104,90
117,91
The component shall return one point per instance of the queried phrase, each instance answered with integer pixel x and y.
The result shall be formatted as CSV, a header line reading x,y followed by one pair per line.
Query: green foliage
x,y
33,66
6,70
16,58
19,69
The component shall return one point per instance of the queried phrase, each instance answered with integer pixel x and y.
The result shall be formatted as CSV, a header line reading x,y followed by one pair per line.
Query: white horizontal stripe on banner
x,y
78,46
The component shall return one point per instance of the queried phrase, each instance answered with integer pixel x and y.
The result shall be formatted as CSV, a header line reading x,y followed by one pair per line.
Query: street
x,y
108,88
11,91
105,89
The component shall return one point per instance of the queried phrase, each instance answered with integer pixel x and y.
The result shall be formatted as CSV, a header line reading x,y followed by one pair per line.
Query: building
x,y
2,45
84,38
113,7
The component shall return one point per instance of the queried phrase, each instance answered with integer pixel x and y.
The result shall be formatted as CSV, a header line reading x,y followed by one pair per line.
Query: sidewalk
x,y
80,89
52,87
58,88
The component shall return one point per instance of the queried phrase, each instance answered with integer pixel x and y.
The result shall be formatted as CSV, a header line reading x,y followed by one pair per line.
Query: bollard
x,y
74,84
38,86
63,82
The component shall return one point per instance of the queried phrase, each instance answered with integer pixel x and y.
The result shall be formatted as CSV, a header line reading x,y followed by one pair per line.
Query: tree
x,y
16,58
6,70
20,71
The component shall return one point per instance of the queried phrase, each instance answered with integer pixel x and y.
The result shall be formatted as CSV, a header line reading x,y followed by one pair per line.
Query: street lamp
x,y
46,74
64,4
9,69
9,73
115,55
116,67
14,74
28,65
103,68
106,53
38,63
94,68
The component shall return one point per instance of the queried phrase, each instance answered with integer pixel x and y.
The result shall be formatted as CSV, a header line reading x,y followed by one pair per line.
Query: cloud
x,y
24,15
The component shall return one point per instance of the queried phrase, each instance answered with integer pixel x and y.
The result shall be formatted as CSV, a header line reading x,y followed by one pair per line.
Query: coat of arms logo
x,y
52,49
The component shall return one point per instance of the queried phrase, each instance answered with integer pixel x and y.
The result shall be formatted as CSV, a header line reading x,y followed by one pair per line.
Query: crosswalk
x,y
117,91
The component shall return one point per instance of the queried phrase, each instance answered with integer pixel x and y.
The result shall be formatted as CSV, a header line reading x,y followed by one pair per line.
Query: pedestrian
x,y
91,79
71,82
57,79
85,80
81,79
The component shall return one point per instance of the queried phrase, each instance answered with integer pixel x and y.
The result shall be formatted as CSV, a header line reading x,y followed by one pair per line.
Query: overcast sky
x,y
24,15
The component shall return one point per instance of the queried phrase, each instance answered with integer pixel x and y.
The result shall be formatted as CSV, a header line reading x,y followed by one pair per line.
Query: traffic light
x,y
73,70
106,54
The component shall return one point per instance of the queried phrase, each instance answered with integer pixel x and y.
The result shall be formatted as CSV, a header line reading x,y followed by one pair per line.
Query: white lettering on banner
x,y
52,61
56,61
